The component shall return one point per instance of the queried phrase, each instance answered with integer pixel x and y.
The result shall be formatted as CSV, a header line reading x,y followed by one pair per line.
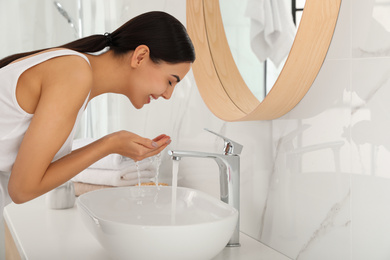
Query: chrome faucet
x,y
229,176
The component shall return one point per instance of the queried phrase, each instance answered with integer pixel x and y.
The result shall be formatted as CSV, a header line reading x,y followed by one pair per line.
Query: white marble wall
x,y
329,191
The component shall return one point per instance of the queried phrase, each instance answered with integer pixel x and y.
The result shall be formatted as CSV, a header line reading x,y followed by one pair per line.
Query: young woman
x,y
43,94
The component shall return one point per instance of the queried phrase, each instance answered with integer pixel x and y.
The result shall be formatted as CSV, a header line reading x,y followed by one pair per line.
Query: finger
x,y
163,141
145,152
149,148
159,137
156,151
146,142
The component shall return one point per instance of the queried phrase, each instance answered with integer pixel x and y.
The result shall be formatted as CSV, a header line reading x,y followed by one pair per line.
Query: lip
x,y
150,98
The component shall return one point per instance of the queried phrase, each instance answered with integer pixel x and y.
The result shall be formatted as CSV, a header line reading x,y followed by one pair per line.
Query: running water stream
x,y
157,163
175,169
138,173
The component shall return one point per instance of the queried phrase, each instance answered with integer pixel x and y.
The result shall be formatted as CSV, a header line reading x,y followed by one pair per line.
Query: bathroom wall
x,y
329,189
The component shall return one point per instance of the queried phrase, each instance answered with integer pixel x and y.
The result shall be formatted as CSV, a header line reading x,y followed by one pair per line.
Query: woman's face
x,y
149,80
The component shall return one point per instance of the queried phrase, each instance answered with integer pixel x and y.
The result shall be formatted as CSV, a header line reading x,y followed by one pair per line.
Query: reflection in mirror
x,y
219,81
260,35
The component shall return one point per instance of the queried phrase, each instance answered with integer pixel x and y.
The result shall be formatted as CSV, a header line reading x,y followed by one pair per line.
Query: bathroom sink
x,y
138,222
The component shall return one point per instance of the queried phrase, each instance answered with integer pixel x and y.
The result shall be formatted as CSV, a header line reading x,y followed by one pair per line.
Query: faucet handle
x,y
231,147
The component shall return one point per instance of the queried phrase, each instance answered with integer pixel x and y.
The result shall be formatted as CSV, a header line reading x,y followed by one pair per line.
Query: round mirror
x,y
260,35
220,82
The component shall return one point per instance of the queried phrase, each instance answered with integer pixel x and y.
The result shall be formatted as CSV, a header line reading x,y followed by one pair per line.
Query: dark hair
x,y
165,36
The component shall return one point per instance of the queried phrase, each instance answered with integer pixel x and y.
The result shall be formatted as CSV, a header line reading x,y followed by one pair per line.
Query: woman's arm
x,y
63,94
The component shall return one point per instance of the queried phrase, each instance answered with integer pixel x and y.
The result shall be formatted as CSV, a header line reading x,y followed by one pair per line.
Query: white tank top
x,y
14,121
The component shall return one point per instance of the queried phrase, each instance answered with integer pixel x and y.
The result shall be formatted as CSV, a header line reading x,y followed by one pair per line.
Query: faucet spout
x,y
229,176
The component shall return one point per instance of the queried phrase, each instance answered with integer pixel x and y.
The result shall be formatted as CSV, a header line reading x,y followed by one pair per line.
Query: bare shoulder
x,y
69,75
69,68
61,84
54,78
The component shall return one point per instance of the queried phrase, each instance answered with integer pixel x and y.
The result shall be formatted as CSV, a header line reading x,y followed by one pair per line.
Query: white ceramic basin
x,y
136,222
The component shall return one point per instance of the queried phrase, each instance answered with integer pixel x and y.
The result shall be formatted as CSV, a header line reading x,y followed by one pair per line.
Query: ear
x,y
140,54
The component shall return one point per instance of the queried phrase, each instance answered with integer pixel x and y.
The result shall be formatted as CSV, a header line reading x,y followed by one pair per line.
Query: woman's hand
x,y
136,147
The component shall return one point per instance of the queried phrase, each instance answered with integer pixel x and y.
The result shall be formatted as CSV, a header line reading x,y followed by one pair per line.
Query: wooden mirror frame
x,y
219,82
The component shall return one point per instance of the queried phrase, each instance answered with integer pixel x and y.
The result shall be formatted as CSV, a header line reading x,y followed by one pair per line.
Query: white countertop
x,y
41,233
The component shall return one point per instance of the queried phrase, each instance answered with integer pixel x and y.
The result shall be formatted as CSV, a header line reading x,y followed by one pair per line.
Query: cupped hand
x,y
136,147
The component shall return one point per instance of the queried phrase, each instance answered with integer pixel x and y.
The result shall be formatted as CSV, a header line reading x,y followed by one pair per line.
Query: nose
x,y
168,93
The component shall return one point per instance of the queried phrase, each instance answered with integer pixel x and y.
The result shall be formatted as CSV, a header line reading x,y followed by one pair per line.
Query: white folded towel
x,y
272,29
114,161
114,177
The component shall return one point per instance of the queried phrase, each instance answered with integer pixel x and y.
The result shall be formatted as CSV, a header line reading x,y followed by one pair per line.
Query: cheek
x,y
149,81
155,85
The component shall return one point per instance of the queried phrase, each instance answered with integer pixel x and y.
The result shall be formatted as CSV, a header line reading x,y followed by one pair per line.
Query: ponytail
x,y
164,35
91,43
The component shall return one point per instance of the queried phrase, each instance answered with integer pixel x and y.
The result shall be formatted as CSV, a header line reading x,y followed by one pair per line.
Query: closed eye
x,y
176,77
170,83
